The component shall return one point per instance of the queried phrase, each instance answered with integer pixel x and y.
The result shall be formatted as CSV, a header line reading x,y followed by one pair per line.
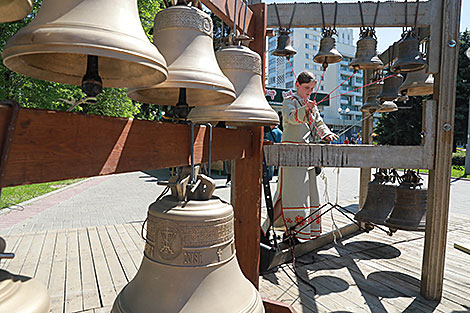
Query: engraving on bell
x,y
409,57
55,45
189,264
14,10
284,47
418,83
390,88
243,68
366,55
183,35
327,54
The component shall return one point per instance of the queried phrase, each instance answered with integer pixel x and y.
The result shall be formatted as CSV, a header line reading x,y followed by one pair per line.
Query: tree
x,y
463,91
34,93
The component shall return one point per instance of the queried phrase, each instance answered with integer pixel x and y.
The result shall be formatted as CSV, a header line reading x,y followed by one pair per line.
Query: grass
x,y
18,194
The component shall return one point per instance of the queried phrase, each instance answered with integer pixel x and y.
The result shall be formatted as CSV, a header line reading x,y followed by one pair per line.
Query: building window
x,y
322,88
290,74
307,36
272,80
307,56
307,65
306,46
290,84
358,99
314,48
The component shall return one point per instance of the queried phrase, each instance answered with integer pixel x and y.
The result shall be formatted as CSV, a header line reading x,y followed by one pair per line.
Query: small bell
x,y
183,34
65,34
284,47
409,58
390,88
242,66
327,54
372,104
418,83
366,53
387,106
14,10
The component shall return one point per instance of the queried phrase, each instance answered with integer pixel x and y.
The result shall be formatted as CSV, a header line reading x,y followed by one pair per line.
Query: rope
x,y
339,86
374,82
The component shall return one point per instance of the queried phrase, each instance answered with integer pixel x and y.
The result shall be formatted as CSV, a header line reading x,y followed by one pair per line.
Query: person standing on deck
x,y
297,194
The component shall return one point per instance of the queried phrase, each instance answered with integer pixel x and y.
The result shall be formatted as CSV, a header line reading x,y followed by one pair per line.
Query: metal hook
x,y
235,20
244,17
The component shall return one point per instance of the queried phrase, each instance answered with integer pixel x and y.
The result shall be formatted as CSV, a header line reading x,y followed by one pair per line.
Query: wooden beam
x,y
246,201
225,10
437,214
391,14
50,145
328,155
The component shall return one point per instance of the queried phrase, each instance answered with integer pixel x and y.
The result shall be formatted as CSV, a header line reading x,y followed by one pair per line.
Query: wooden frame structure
x,y
46,145
440,19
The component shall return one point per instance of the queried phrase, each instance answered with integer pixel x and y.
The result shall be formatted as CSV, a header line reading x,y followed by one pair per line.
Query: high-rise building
x,y
343,110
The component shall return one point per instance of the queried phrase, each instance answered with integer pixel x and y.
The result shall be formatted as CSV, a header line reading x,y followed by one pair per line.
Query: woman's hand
x,y
331,137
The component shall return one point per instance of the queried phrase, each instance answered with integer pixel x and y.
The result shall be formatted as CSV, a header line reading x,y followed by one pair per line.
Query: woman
x,y
297,194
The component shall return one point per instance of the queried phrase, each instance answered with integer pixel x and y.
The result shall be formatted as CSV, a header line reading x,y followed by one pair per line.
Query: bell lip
x,y
218,95
12,13
284,53
320,59
22,45
397,68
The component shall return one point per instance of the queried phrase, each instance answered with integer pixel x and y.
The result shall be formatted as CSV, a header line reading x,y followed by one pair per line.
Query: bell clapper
x,y
92,85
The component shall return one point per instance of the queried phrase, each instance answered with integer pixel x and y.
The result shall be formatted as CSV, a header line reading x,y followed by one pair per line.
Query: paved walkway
x,y
124,198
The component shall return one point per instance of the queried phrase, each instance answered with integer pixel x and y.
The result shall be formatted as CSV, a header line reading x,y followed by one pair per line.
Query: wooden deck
x,y
85,268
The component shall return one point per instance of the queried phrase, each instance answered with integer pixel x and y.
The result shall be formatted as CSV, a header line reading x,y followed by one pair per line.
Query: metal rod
x,y
376,12
210,148
336,14
362,17
416,14
292,16
244,17
322,16
277,14
235,20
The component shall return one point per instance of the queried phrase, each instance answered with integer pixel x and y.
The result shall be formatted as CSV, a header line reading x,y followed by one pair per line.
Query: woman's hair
x,y
306,77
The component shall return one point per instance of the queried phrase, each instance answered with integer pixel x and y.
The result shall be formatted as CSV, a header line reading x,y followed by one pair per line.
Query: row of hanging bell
x,y
14,10
397,207
409,58
374,104
243,68
327,54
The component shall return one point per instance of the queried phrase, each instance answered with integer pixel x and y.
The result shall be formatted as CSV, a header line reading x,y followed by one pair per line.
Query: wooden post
x,y
437,214
246,201
246,185
367,125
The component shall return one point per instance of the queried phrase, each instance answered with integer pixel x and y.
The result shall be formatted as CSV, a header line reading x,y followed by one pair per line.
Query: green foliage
x,y
18,194
34,93
402,127
463,90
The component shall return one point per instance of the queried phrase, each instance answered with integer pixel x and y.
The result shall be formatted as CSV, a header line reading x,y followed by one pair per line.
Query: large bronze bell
x,y
242,66
379,202
418,83
409,57
189,264
409,212
327,54
366,54
372,104
284,47
14,10
390,88
65,35
183,35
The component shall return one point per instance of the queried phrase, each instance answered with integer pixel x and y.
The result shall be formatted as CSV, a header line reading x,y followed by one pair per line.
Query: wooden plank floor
x,y
85,268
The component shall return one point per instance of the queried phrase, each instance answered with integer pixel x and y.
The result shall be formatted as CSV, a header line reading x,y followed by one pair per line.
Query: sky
x,y
387,36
